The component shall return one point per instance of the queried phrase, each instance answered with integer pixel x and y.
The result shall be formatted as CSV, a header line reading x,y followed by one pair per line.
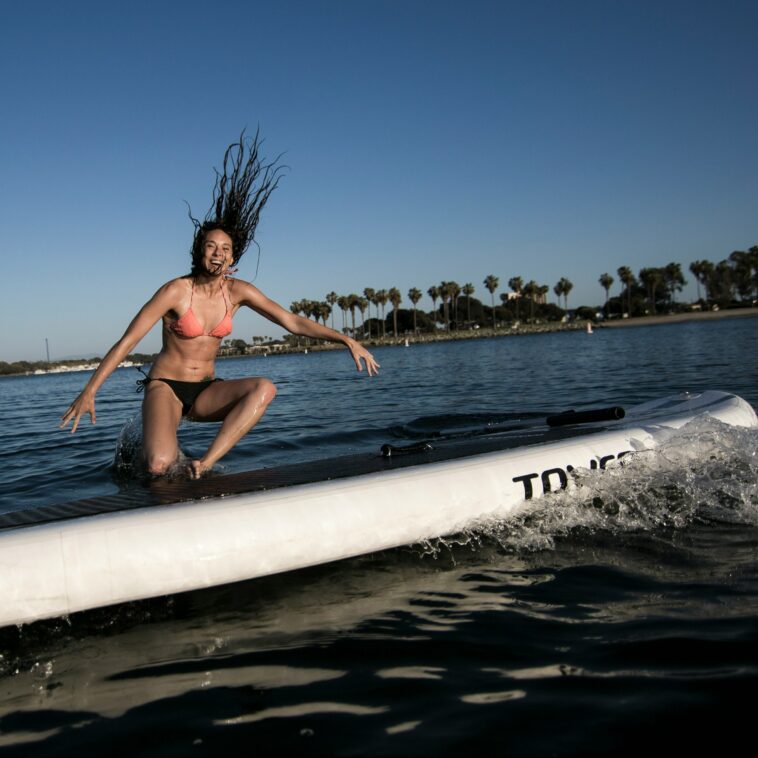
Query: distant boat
x,y
589,327
406,342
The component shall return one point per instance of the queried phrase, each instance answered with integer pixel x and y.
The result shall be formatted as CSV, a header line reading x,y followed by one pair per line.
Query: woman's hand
x,y
85,403
359,354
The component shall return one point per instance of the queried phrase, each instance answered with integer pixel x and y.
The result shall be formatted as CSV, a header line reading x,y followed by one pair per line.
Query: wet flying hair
x,y
239,195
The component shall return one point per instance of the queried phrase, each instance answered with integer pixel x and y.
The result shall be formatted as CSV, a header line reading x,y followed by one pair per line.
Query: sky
x,y
425,141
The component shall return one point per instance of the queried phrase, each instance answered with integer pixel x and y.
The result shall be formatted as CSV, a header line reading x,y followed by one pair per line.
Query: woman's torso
x,y
193,330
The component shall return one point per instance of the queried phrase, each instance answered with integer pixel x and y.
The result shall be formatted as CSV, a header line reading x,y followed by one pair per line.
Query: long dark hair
x,y
239,195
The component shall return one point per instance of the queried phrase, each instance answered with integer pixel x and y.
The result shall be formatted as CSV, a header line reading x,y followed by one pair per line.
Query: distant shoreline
x,y
548,327
677,318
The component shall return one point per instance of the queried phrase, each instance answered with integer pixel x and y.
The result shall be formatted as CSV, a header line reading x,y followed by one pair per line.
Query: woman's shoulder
x,y
172,292
177,286
240,290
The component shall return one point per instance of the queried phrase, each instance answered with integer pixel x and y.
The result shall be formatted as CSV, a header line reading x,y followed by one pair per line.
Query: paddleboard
x,y
172,537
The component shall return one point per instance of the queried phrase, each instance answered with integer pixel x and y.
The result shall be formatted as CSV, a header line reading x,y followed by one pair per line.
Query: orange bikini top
x,y
188,326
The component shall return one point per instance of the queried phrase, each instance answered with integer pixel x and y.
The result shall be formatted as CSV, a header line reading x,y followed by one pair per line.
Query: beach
x,y
677,318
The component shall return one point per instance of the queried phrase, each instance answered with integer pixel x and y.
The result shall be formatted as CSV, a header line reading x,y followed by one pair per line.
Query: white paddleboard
x,y
56,560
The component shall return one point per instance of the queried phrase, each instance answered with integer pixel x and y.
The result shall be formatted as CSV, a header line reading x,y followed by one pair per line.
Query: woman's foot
x,y
196,469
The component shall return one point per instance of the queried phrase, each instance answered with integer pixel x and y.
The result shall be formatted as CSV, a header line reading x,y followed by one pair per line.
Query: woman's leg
x,y
239,403
161,414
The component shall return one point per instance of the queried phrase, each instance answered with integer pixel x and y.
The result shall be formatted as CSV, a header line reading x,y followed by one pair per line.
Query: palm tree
x,y
414,295
381,298
696,269
342,303
331,298
370,294
325,311
468,291
504,299
455,293
563,287
352,304
542,291
626,277
530,290
491,282
651,278
362,305
434,293
673,279
375,301
558,289
314,310
445,294
395,298
516,283
606,280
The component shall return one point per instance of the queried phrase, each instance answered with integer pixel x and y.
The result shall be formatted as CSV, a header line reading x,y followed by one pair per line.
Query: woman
x,y
197,312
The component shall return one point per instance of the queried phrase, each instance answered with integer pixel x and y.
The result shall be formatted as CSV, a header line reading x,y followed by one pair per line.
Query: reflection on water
x,y
396,639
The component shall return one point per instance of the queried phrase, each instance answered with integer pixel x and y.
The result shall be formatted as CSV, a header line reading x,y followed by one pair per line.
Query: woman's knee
x,y
264,390
158,463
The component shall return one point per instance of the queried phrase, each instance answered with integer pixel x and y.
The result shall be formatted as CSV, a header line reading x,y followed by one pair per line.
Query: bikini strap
x,y
227,302
142,383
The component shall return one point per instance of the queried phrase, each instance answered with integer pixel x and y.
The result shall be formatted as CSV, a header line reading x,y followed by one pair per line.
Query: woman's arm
x,y
253,298
141,324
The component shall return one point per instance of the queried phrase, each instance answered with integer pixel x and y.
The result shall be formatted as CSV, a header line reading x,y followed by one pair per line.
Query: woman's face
x,y
217,252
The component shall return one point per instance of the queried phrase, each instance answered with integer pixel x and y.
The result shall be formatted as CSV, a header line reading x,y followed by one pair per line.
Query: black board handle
x,y
419,447
586,417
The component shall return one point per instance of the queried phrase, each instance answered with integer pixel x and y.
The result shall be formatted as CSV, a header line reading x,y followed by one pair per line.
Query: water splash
x,y
128,461
705,472
128,456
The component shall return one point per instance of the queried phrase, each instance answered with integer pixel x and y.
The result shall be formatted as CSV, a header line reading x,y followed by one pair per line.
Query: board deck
x,y
169,492
178,536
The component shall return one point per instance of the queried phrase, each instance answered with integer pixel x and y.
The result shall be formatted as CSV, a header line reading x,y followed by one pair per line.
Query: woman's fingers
x,y
66,417
371,365
75,412
361,354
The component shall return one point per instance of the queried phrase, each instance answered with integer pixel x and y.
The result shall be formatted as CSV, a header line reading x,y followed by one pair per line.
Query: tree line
x,y
29,367
454,300
733,281
730,282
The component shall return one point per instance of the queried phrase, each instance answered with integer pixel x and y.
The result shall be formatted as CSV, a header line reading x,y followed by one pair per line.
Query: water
x,y
622,617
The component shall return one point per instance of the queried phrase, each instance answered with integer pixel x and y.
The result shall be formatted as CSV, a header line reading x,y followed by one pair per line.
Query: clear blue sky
x,y
426,140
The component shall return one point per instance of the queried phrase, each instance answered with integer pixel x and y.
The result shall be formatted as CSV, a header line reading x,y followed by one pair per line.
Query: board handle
x,y
586,417
388,450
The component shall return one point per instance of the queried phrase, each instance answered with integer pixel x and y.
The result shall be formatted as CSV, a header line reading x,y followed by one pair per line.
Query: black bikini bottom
x,y
187,392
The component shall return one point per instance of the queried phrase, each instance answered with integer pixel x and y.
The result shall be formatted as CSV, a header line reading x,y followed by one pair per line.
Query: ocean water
x,y
620,617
